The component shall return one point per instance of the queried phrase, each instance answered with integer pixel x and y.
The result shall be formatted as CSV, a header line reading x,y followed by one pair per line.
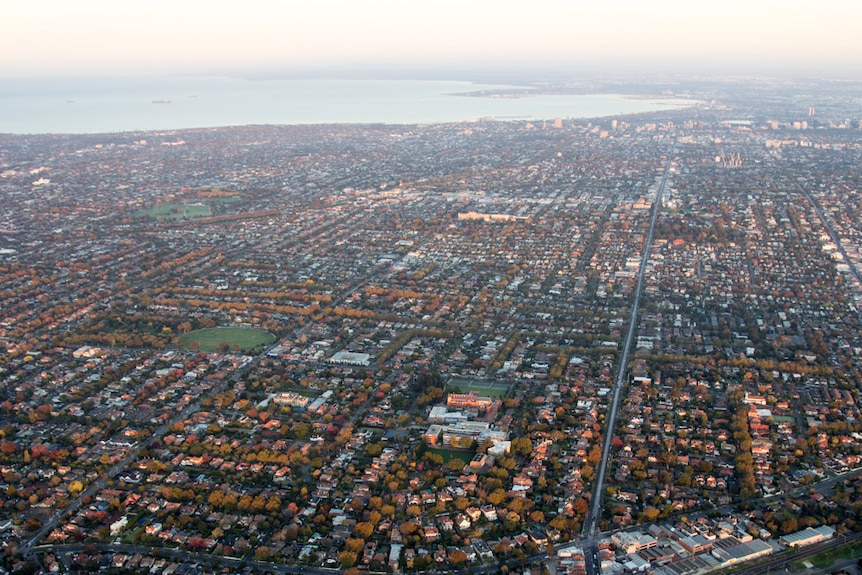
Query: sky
x,y
130,37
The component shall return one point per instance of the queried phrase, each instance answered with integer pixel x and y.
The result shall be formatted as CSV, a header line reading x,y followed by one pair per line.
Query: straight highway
x,y
594,515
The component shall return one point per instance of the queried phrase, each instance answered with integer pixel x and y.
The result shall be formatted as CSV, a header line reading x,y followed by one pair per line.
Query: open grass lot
x,y
825,560
214,339
175,211
483,388
447,454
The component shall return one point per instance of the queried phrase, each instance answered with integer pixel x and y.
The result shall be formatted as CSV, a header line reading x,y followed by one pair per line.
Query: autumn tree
x,y
363,529
347,559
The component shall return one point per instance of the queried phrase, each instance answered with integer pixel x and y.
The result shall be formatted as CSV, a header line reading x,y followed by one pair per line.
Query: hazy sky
x,y
46,37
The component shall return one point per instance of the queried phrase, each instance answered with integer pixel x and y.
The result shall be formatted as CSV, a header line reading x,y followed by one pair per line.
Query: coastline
x,y
40,106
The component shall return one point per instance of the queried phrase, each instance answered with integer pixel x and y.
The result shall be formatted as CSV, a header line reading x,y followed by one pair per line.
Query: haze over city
x,y
90,37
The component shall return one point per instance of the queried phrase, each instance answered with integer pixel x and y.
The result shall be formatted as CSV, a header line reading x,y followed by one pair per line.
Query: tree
x,y
519,504
196,543
651,514
457,557
273,504
363,529
455,464
522,446
789,525
496,497
75,488
258,503
559,523
409,528
244,502
354,545
347,559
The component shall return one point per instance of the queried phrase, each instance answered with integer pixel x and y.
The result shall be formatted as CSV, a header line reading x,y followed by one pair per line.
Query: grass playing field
x,y
176,211
244,338
483,388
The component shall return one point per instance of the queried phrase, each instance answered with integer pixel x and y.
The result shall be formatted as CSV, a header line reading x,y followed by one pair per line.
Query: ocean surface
x,y
91,106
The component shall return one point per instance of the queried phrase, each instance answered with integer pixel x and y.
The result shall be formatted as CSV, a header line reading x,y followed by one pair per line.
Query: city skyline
x,y
103,38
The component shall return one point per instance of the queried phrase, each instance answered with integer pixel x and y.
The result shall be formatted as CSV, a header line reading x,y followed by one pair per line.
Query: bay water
x,y
103,105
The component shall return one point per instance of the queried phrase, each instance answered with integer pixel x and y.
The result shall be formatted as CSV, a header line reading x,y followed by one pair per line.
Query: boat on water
x,y
161,101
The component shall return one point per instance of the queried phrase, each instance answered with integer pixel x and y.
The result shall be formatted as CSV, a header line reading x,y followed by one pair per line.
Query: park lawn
x,y
244,338
176,211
